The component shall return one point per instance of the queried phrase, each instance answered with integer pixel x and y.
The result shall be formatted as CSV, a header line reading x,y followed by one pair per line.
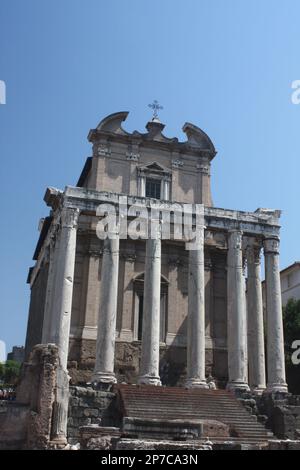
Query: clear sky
x,y
225,65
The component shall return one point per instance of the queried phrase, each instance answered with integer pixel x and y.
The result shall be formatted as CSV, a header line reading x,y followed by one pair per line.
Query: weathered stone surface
x,y
196,314
13,425
30,418
98,437
275,344
140,444
107,318
236,311
94,407
149,366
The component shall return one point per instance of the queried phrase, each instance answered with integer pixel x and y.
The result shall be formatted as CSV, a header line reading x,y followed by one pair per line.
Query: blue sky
x,y
226,66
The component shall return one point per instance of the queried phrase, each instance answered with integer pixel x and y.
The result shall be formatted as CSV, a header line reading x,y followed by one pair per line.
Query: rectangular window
x,y
153,188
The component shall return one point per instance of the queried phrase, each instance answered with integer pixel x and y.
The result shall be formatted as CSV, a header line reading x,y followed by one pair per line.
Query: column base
x,y
58,442
259,390
149,380
277,388
237,386
104,378
196,383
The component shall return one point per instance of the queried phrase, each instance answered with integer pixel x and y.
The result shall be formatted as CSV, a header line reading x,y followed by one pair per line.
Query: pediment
x,y
155,166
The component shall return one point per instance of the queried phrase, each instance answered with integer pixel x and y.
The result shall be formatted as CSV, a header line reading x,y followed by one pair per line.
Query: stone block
x,y
91,412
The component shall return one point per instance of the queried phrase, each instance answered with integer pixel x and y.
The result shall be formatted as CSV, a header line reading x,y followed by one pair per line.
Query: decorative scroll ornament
x,y
104,150
132,156
203,168
177,163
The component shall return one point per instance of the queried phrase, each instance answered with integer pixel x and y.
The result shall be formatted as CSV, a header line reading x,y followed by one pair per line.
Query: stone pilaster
x,y
275,344
106,334
256,348
133,155
126,330
149,367
49,296
204,187
196,315
236,313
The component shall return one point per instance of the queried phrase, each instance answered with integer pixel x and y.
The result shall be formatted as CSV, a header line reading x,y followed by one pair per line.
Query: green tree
x,y
11,372
2,370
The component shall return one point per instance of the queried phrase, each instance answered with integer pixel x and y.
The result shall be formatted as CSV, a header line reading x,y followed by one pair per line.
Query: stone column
x,y
236,314
141,185
106,333
149,366
64,273
196,315
275,344
165,189
256,347
62,306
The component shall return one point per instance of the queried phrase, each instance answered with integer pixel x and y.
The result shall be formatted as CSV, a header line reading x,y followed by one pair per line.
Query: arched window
x,y
139,305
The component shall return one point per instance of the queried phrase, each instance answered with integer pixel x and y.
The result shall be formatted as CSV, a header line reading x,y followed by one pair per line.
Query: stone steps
x,y
174,403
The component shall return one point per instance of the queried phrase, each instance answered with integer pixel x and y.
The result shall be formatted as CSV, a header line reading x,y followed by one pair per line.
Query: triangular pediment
x,y
155,166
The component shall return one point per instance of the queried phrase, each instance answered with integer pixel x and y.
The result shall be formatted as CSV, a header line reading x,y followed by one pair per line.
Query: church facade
x,y
151,309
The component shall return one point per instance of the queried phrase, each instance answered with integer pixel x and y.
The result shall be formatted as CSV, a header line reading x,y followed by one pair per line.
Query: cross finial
x,y
156,107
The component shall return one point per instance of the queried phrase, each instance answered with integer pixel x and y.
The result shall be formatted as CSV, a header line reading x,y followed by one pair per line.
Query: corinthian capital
x,y
271,245
253,253
235,239
69,217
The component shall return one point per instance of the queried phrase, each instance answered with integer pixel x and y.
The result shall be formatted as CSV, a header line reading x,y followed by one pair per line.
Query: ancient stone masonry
x,y
177,307
27,422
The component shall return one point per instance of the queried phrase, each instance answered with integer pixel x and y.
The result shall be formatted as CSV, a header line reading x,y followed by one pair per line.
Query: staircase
x,y
174,403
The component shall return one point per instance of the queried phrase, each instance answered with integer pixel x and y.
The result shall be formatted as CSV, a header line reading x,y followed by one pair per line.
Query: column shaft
x,y
64,265
106,333
236,312
149,367
64,273
256,348
196,315
275,344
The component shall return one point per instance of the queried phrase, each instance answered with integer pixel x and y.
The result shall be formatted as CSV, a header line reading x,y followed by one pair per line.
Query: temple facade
x,y
177,307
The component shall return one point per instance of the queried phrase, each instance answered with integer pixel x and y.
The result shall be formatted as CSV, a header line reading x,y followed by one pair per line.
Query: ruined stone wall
x,y
26,423
88,406
127,358
279,412
37,391
14,418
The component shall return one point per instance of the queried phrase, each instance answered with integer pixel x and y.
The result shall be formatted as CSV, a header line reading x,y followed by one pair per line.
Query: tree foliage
x,y
9,371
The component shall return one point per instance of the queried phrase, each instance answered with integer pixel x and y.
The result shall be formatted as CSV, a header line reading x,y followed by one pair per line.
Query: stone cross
x,y
156,107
